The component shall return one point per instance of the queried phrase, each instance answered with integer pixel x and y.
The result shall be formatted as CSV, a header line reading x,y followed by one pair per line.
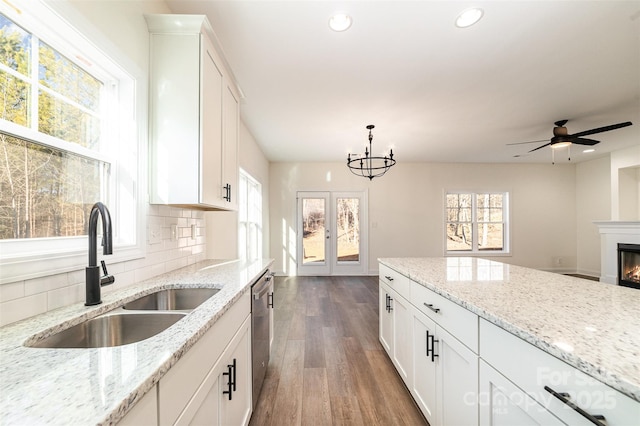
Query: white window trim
x,y
244,248
506,251
38,257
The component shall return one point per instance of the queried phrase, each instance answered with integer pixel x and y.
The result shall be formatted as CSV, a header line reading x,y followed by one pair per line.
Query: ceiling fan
x,y
561,138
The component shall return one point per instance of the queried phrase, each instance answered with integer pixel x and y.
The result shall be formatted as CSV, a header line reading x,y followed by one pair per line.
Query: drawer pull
x,y
596,419
388,277
389,307
430,306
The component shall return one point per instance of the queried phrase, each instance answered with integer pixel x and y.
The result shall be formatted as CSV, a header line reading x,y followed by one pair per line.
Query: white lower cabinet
x,y
395,326
385,318
224,397
424,368
457,381
144,413
211,383
402,338
445,375
558,389
504,404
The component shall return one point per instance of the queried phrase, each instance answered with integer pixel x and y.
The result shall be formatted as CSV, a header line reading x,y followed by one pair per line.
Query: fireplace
x,y
629,265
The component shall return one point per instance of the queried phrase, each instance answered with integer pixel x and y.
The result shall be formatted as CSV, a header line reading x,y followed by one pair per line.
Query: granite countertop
x,y
98,386
594,327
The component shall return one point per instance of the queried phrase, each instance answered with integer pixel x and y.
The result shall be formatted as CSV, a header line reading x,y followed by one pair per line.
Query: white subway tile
x,y
11,291
15,310
44,284
65,296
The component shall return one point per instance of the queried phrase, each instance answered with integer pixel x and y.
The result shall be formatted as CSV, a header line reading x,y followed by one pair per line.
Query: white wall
x,y
593,202
625,186
406,210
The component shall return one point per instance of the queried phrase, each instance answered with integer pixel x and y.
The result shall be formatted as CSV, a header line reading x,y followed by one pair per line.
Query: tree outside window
x,y
51,167
476,222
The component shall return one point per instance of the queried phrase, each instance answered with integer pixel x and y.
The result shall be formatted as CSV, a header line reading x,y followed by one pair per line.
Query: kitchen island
x,y
99,386
591,326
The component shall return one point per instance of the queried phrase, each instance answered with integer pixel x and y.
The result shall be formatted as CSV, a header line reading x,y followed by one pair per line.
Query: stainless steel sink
x,y
176,299
111,329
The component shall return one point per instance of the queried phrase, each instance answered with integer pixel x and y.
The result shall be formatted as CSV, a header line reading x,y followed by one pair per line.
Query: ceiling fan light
x,y
468,17
559,145
340,22
588,150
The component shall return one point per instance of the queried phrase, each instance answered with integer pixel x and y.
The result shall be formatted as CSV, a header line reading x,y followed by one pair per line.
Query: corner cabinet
x,y
194,116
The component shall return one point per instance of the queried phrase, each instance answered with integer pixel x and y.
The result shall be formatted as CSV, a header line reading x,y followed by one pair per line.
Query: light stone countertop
x,y
98,386
593,326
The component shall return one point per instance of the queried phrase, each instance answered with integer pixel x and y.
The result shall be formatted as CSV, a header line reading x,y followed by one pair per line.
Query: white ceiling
x,y
435,92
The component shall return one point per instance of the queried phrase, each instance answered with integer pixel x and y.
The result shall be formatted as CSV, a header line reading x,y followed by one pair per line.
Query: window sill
x,y
42,265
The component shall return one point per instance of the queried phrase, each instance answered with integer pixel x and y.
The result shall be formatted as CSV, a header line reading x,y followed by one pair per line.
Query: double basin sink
x,y
135,321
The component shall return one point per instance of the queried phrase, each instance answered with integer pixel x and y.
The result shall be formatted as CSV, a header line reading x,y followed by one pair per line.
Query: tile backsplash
x,y
171,244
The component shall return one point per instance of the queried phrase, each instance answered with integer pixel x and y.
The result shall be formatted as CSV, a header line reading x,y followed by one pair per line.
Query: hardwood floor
x,y
327,366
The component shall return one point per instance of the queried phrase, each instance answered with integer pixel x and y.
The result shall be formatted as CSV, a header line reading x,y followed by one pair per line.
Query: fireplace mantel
x,y
613,232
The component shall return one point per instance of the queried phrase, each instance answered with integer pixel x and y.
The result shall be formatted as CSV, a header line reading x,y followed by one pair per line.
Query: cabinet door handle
x,y
389,307
270,300
432,337
388,277
430,306
227,189
234,375
596,419
230,384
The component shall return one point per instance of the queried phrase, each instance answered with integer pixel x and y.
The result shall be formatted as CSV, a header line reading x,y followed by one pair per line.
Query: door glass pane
x,y
348,229
313,238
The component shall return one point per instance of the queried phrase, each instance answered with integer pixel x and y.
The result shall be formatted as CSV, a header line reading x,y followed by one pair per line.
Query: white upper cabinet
x,y
194,116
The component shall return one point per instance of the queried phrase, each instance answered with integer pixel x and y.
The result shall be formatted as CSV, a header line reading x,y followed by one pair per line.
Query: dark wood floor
x,y
327,366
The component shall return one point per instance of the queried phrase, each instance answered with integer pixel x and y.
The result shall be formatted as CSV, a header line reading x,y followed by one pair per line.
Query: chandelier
x,y
370,166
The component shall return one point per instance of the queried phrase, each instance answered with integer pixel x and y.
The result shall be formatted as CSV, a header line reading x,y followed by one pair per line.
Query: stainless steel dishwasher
x,y
261,302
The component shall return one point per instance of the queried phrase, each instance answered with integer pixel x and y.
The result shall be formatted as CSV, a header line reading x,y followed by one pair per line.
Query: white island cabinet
x,y
395,321
194,116
490,346
439,370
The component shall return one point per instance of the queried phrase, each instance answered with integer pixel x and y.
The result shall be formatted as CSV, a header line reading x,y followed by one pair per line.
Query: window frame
x,y
22,259
506,223
245,201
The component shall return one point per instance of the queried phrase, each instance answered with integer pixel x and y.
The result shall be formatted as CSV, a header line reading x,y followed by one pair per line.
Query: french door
x,y
332,233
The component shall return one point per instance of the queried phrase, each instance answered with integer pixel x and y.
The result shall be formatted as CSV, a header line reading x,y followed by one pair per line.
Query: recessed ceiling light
x,y
586,151
468,17
340,22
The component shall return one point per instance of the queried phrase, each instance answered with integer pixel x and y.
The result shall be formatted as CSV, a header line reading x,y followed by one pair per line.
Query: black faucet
x,y
94,280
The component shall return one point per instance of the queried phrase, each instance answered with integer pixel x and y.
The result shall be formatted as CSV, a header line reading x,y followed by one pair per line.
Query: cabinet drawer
x,y
458,321
183,379
532,369
395,280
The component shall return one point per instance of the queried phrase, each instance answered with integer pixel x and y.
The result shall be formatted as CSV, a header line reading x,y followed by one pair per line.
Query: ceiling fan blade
x,y
603,129
584,141
541,146
521,143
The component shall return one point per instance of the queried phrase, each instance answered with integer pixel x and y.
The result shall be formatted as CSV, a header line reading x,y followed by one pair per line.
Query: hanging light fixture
x,y
370,166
